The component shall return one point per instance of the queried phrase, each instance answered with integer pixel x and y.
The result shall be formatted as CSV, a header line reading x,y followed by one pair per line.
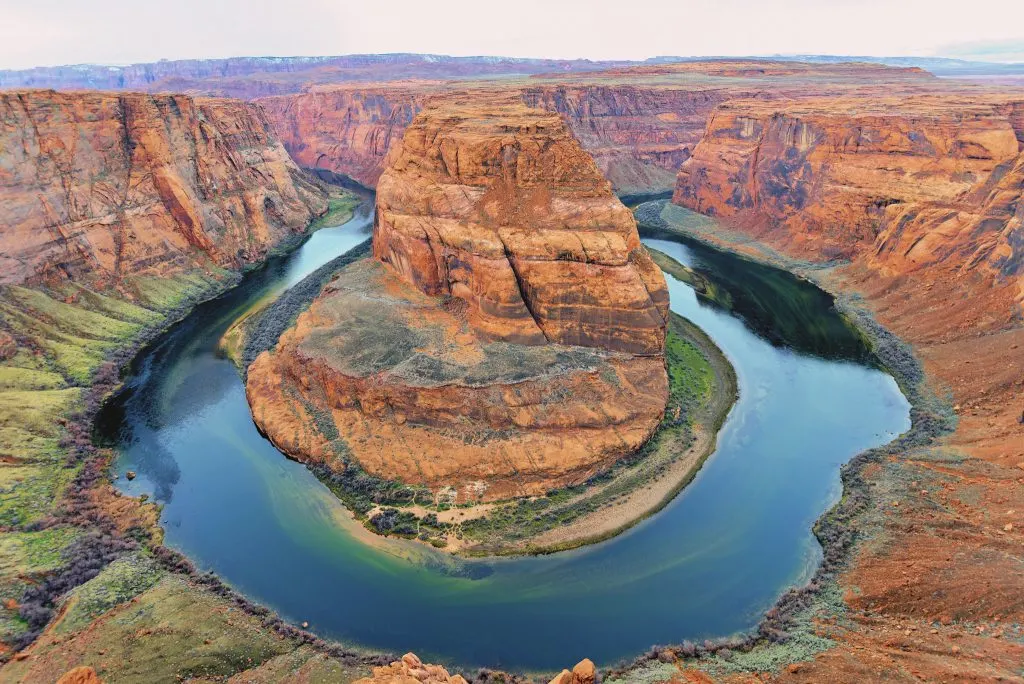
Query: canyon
x,y
882,182
510,334
639,123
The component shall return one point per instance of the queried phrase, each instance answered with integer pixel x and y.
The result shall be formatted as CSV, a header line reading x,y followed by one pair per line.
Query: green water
x,y
708,565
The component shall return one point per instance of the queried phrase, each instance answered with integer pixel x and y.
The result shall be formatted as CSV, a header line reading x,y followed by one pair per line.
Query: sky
x,y
51,32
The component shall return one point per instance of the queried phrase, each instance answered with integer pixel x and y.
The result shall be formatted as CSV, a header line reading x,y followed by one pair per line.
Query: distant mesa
x,y
507,338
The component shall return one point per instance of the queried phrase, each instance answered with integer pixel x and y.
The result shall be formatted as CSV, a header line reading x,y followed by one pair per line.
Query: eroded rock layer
x,y
507,213
907,183
100,187
639,123
509,337
377,370
922,196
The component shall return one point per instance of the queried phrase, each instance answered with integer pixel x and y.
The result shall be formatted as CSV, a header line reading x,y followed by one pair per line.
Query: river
x,y
708,565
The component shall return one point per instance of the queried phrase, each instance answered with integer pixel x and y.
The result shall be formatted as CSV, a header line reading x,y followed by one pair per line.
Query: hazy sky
x,y
46,32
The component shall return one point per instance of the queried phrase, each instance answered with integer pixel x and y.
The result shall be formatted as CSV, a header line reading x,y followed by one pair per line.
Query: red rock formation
x,y
346,129
923,194
80,675
583,673
912,181
638,135
100,186
501,208
411,670
639,123
510,342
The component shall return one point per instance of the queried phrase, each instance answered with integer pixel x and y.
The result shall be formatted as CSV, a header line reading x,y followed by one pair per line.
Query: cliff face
x,y
100,187
346,129
908,183
637,135
506,212
638,122
923,195
508,339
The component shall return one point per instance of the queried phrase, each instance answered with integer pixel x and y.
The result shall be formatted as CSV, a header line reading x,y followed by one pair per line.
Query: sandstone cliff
x,y
639,123
510,337
506,212
922,196
98,187
346,129
637,135
914,182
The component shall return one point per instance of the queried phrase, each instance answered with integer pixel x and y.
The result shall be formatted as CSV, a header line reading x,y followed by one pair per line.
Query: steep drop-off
x,y
347,129
914,182
639,123
510,337
637,135
100,188
118,214
923,198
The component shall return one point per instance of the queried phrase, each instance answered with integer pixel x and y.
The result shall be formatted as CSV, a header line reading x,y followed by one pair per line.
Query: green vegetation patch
x,y
690,377
122,580
171,631
36,411
169,293
74,320
27,553
340,208
12,377
31,492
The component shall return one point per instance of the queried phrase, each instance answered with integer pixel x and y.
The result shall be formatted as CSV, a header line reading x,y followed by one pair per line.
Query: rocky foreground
x,y
507,339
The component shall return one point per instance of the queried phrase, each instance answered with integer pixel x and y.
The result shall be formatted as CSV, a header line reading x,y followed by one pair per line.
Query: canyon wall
x,y
906,183
640,123
921,197
638,136
346,129
98,187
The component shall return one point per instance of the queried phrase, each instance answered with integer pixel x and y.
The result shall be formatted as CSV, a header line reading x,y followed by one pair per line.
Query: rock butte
x,y
507,339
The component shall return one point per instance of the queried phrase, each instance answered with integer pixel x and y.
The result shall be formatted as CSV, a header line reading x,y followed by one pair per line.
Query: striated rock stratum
x,y
101,188
508,336
905,183
507,213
